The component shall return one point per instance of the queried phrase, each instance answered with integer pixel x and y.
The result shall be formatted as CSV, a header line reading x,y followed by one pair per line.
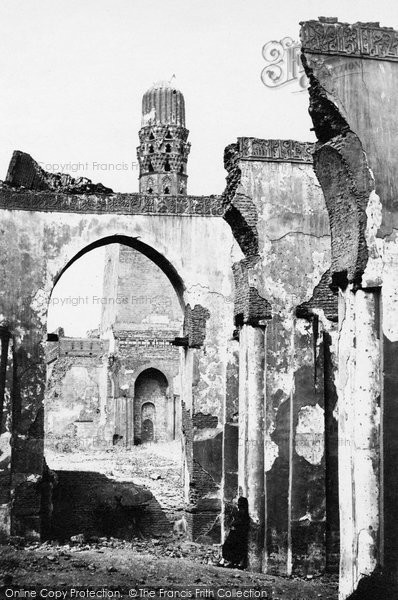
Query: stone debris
x,y
25,172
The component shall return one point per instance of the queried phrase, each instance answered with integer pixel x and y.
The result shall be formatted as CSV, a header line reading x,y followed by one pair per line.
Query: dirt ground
x,y
152,565
156,467
138,567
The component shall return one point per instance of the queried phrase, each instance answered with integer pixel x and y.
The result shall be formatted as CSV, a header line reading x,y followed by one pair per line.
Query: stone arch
x,y
133,242
123,417
341,166
41,244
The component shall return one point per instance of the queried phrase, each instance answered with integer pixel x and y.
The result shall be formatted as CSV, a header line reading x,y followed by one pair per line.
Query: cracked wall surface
x,y
75,403
353,72
42,232
284,231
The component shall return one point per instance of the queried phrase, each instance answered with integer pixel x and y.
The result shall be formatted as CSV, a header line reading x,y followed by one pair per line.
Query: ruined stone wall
x,y
42,232
88,408
353,73
6,366
276,210
77,414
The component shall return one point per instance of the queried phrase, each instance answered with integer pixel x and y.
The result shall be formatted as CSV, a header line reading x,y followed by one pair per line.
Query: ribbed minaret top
x,y
163,104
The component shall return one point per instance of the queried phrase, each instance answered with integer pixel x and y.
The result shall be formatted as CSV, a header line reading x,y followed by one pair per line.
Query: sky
x,y
73,74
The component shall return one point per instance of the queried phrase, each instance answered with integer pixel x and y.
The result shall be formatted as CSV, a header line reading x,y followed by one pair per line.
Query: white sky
x,y
73,73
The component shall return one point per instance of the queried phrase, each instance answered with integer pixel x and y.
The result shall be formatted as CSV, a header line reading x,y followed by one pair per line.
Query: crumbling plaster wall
x,y
276,209
73,406
353,72
36,245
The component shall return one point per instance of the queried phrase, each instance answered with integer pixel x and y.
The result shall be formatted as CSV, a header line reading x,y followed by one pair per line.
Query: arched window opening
x,y
151,149
166,190
168,148
167,165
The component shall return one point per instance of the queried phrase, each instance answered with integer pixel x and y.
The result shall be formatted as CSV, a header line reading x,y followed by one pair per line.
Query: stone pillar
x,y
251,436
389,537
331,451
186,374
230,437
5,435
359,435
28,435
307,476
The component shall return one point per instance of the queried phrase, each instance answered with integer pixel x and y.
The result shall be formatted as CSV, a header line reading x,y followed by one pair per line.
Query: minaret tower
x,y
163,150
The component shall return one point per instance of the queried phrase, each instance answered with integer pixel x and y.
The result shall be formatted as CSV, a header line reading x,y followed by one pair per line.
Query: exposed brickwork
x,y
195,325
201,421
202,484
250,307
92,504
341,167
240,211
327,120
146,299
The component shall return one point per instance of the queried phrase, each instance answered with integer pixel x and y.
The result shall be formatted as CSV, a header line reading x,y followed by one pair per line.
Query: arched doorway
x,y
108,330
153,408
113,308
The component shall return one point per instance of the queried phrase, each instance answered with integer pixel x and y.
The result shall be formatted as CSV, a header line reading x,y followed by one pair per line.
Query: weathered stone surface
x,y
124,204
355,161
37,246
277,214
250,307
364,40
195,325
275,150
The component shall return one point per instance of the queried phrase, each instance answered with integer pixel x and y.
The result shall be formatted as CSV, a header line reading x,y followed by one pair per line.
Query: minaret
x,y
163,149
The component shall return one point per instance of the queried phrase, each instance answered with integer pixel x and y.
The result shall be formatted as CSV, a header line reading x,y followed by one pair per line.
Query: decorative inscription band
x,y
367,40
127,204
276,150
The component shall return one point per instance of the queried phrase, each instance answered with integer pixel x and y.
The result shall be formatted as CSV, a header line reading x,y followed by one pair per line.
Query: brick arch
x,y
341,167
